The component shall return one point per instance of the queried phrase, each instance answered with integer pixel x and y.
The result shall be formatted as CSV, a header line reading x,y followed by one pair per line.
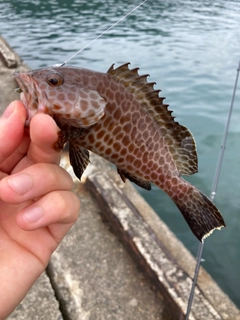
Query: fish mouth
x,y
22,97
22,79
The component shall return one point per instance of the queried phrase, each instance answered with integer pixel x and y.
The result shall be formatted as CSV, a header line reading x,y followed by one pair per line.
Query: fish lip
x,y
18,77
23,90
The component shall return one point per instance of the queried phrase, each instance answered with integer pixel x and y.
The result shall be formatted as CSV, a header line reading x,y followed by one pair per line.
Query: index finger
x,y
11,129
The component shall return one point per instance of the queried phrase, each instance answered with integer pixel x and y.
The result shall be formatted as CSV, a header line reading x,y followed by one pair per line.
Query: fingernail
x,y
33,214
21,183
9,110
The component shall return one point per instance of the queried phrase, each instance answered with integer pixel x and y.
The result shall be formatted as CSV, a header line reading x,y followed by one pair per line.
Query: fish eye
x,y
54,80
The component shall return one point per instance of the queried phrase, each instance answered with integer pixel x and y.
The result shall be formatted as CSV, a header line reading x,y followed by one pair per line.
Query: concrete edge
x,y
209,298
8,55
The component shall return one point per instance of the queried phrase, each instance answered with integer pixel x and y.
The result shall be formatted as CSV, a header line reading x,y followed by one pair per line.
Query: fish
x,y
119,116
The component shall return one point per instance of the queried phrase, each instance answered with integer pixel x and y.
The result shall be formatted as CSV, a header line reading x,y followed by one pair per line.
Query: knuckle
x,y
67,204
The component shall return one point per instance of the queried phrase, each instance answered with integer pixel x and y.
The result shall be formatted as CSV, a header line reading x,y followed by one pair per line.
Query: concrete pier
x,y
119,261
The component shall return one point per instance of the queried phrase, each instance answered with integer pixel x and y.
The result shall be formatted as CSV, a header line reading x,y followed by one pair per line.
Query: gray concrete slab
x,y
7,83
95,278
39,304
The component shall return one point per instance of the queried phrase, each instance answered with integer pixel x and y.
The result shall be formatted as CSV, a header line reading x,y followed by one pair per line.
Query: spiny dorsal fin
x,y
179,139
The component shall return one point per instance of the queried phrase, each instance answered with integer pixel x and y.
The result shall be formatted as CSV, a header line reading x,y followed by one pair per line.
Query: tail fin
x,y
199,212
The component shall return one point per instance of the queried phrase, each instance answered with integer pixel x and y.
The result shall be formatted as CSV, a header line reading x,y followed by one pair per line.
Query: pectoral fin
x,y
79,158
141,183
87,109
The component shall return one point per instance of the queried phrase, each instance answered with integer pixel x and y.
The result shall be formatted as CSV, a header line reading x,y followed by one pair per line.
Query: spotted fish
x,y
120,116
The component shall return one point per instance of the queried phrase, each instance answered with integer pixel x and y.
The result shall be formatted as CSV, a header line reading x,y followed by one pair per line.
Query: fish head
x,y
56,92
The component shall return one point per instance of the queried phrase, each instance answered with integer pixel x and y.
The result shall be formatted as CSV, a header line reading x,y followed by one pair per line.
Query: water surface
x,y
191,49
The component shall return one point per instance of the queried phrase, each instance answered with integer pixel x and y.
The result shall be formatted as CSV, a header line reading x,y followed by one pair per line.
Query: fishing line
x,y
213,192
100,35
220,159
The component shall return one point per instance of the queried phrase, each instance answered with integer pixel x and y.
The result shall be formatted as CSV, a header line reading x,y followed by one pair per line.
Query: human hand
x,y
37,207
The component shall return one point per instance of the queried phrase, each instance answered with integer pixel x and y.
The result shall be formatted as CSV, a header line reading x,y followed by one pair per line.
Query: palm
x,y
18,239
38,244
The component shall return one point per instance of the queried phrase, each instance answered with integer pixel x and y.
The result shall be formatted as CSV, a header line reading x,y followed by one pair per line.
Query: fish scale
x,y
120,116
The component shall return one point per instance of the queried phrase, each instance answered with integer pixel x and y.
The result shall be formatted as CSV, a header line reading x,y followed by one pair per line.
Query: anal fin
x,y
141,183
79,158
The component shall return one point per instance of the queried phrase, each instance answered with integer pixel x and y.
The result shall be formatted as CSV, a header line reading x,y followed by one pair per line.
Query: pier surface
x,y
119,261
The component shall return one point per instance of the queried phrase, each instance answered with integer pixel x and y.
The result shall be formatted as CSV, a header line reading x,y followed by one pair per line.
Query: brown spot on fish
x,y
52,93
71,96
117,115
121,160
117,96
110,94
108,151
154,175
94,81
100,134
137,163
56,107
84,95
174,181
131,147
129,158
145,135
105,82
124,151
97,144
106,138
94,104
43,86
117,146
91,138
101,148
148,171
127,127
126,140
84,105
61,96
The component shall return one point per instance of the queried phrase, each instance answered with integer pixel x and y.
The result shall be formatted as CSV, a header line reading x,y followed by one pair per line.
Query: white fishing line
x,y
100,35
219,164
213,192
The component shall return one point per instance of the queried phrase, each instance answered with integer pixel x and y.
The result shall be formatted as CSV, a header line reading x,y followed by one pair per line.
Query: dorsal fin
x,y
179,139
